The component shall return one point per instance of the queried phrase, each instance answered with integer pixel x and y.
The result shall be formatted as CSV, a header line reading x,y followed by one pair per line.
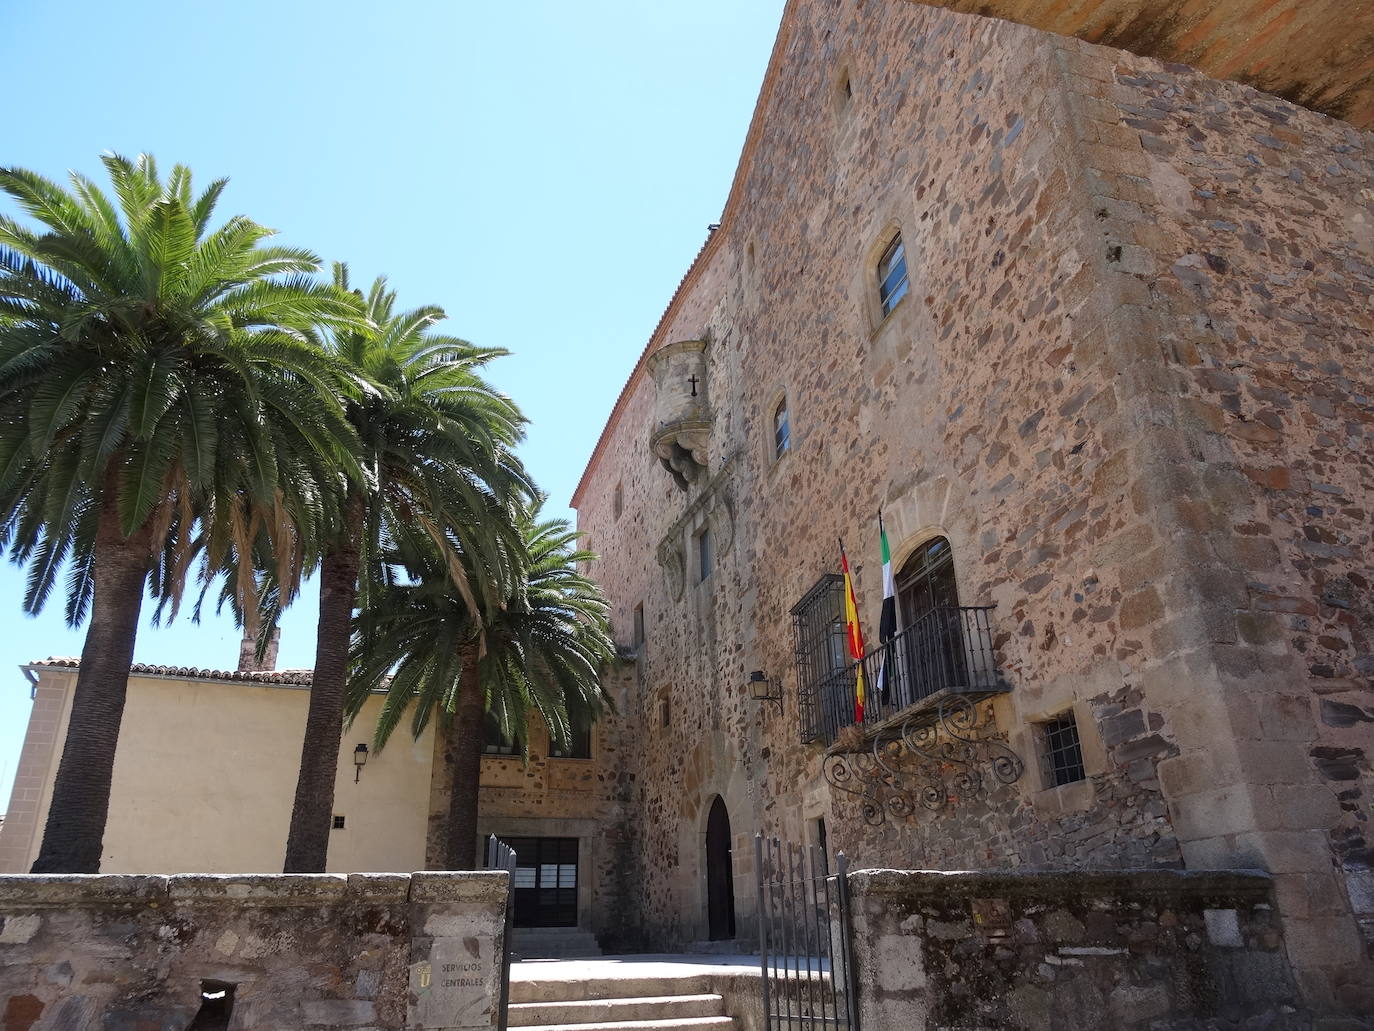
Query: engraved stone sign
x,y
455,969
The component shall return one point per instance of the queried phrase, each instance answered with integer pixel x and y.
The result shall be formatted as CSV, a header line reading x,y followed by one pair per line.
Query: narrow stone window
x,y
618,503
782,429
1061,751
704,555
892,278
665,714
843,93
639,625
338,822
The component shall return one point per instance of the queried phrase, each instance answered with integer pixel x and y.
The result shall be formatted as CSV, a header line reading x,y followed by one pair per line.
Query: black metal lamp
x,y
359,761
761,689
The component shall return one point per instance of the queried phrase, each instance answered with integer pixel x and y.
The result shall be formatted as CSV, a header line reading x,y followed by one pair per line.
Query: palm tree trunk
x,y
465,746
307,843
75,831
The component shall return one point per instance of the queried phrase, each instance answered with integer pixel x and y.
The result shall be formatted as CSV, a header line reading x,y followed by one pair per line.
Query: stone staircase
x,y
554,943
595,1005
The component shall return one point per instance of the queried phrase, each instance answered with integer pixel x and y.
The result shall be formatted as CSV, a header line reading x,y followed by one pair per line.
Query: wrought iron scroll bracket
x,y
927,761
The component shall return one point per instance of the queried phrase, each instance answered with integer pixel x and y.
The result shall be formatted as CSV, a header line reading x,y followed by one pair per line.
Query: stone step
x,y
613,1011
530,987
671,1024
554,943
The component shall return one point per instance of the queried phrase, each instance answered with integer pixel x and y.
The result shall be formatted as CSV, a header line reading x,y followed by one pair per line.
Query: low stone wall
x,y
295,951
1070,952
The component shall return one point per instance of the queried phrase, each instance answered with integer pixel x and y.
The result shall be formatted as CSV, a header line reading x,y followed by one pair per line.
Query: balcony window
x,y
943,647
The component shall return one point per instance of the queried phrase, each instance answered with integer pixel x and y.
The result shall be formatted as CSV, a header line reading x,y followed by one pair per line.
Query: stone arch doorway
x,y
720,877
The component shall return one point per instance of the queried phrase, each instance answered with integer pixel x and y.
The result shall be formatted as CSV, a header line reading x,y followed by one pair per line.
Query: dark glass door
x,y
545,881
720,877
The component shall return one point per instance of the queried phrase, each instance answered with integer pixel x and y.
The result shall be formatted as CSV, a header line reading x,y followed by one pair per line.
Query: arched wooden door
x,y
720,878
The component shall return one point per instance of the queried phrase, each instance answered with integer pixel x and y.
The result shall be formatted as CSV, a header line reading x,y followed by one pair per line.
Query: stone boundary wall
x,y
1071,951
287,951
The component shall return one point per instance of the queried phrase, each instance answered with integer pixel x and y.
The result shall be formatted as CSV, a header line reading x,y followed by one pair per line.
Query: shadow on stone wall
x,y
327,951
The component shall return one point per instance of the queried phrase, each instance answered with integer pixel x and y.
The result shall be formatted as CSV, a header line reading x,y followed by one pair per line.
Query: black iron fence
x,y
501,856
804,938
947,649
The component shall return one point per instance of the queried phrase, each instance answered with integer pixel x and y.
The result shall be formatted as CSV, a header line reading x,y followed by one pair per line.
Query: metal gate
x,y
501,856
804,938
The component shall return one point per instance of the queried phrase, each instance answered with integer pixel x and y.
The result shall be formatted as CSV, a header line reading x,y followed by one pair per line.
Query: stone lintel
x,y
46,891
43,890
1242,886
469,886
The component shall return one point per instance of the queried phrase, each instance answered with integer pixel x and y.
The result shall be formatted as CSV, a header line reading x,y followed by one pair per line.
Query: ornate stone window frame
x,y
713,507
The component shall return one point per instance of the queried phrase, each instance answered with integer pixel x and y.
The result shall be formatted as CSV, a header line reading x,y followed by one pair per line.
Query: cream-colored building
x,y
205,773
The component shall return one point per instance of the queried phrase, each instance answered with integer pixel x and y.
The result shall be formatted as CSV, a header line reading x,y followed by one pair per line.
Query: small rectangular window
x,y
338,823
1061,750
892,279
495,742
665,713
639,624
618,503
579,745
782,430
704,556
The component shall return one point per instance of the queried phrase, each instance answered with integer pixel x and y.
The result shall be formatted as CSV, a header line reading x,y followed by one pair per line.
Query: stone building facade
x,y
1128,386
1113,395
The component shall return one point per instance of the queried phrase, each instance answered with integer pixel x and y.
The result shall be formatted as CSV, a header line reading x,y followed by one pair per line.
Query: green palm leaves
x,y
161,395
546,641
169,364
175,391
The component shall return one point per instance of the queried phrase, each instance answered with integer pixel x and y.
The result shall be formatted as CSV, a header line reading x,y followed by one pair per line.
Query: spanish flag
x,y
854,635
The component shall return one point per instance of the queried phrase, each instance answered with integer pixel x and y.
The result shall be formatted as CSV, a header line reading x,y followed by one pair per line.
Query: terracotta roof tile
x,y
293,677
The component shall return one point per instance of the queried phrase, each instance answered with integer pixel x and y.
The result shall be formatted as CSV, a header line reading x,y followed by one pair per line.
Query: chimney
x,y
248,653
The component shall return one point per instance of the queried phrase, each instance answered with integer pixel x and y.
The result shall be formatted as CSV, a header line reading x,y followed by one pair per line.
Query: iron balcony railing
x,y
948,649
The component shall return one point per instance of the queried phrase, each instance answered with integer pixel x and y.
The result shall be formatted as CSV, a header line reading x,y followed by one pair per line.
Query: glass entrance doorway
x,y
545,881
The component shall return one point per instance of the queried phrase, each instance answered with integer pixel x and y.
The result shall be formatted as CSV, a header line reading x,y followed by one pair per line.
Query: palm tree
x,y
436,460
541,647
159,387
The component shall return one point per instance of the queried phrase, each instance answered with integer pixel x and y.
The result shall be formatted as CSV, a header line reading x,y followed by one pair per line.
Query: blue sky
x,y
546,176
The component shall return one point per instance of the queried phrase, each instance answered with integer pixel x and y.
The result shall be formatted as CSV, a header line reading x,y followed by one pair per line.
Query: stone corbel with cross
x,y
682,427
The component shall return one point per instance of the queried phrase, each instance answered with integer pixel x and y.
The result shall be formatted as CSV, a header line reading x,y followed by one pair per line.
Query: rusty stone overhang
x,y
1317,53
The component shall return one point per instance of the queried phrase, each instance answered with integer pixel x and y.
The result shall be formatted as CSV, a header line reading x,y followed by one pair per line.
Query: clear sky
x,y
544,171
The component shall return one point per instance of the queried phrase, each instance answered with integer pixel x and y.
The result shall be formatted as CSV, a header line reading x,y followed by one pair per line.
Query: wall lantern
x,y
762,690
359,761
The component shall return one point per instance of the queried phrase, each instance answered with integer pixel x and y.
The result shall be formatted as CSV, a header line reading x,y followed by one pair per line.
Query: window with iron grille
x,y
892,278
1061,751
819,633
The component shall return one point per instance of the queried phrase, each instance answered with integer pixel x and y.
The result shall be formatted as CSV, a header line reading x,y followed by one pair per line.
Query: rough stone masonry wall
x,y
327,951
1070,952
1040,398
985,407
1247,225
